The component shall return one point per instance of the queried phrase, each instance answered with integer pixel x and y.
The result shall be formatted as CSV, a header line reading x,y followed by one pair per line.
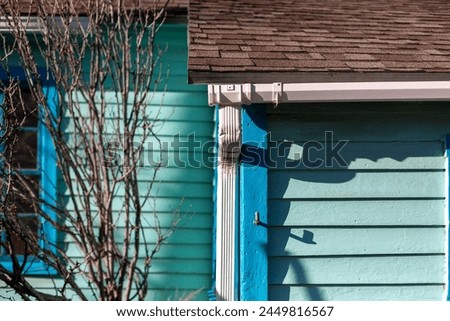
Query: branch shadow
x,y
288,157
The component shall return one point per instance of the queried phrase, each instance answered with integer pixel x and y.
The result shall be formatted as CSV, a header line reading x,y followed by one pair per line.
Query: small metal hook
x,y
256,220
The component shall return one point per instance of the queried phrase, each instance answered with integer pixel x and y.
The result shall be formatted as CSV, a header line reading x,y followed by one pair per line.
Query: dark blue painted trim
x,y
447,154
18,73
47,171
253,198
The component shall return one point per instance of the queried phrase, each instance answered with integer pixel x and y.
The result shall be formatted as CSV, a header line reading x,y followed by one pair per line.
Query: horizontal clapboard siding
x,y
171,250
184,185
356,212
356,241
182,268
348,184
373,228
163,287
384,292
162,205
168,189
360,270
361,156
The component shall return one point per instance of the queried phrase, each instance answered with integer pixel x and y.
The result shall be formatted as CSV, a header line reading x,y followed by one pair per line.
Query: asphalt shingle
x,y
274,40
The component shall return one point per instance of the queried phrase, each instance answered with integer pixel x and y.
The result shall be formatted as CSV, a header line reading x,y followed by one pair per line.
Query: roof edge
x,y
203,77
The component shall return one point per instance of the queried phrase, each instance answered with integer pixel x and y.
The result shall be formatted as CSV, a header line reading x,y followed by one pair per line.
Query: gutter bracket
x,y
247,89
277,91
211,95
230,95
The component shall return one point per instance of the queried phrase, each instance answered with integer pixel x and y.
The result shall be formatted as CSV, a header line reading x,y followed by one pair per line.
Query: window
x,y
33,161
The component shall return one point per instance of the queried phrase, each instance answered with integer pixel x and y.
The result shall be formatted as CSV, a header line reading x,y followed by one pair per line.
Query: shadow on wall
x,y
297,269
320,169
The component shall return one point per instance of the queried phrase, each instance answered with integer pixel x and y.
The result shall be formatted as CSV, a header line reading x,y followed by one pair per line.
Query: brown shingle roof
x,y
313,40
25,6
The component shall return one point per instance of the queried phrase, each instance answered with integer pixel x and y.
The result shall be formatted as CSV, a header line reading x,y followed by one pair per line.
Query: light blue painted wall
x,y
183,266
184,263
372,230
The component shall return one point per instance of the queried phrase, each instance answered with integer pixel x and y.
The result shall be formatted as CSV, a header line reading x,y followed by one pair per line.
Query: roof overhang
x,y
278,92
205,77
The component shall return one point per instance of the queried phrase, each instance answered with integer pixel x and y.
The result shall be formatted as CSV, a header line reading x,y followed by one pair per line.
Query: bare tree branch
x,y
102,65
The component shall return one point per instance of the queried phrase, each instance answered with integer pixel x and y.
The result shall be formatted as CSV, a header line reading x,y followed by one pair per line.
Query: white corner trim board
x,y
244,94
229,151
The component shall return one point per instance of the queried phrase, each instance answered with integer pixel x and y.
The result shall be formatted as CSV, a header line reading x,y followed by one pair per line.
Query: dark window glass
x,y
24,155
30,226
25,109
21,191
23,113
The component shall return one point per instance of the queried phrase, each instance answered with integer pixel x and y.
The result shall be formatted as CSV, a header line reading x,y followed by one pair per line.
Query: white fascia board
x,y
241,94
36,24
30,23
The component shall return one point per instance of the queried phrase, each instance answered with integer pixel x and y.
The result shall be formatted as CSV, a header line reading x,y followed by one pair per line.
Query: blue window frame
x,y
35,159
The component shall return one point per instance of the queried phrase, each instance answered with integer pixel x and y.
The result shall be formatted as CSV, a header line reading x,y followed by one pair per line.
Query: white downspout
x,y
229,151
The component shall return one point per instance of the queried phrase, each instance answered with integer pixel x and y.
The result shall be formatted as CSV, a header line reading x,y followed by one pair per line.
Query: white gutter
x,y
36,24
244,94
30,23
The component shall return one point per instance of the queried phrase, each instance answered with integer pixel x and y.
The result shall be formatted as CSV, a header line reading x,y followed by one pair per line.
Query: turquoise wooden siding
x,y
183,265
372,230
